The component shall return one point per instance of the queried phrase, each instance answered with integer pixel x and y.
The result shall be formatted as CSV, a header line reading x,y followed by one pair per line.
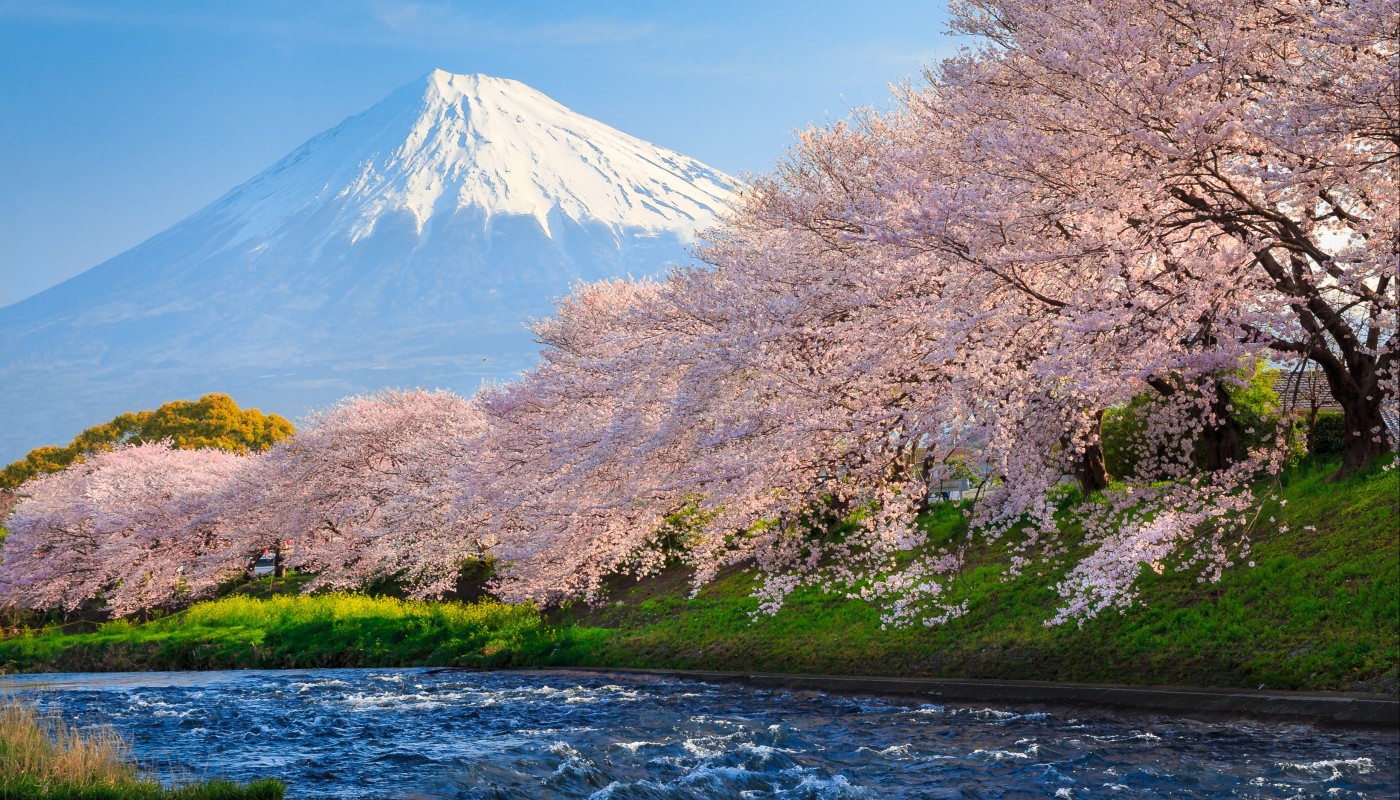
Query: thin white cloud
x,y
440,22
404,23
589,32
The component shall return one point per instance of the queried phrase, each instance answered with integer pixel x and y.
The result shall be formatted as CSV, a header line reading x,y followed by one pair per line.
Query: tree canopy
x,y
1101,200
214,421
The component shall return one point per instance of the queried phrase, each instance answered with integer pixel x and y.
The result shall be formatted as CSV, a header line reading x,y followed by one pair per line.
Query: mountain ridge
x,y
405,246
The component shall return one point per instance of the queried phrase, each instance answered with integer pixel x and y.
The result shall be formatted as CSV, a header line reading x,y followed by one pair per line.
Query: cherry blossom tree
x,y
362,493
736,388
125,526
569,466
1094,201
1243,157
1104,199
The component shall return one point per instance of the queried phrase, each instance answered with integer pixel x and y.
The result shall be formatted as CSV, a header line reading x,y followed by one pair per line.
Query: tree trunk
x,y
1313,408
1090,469
1221,438
278,568
925,471
1360,421
1357,390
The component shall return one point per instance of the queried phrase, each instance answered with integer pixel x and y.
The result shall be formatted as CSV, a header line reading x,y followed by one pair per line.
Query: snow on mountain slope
x,y
483,142
404,247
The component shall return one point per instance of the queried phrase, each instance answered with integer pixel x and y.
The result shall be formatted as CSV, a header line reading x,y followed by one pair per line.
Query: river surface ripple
x,y
419,733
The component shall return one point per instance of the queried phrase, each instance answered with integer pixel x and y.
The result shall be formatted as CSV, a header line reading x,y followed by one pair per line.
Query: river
x,y
420,733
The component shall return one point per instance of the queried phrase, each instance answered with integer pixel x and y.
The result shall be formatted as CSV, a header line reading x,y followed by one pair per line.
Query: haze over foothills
x,y
117,120
408,246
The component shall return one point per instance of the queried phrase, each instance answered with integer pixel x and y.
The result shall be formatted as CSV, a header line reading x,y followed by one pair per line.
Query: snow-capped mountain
x,y
407,246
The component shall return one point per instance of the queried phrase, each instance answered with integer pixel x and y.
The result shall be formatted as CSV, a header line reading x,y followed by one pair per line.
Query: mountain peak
x,y
406,246
449,142
452,85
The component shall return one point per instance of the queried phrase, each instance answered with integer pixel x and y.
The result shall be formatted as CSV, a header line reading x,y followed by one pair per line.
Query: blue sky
x,y
118,119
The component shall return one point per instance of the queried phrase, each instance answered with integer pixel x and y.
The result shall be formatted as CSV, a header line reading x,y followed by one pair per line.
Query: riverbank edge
x,y
1318,708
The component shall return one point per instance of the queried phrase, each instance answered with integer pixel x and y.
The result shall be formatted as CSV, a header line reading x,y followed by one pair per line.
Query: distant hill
x,y
405,247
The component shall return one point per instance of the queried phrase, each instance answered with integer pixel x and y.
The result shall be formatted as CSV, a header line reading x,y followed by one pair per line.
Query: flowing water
x,y
417,733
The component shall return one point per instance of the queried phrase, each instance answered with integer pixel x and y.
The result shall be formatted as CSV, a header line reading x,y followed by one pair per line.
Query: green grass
x,y
291,631
1319,611
25,787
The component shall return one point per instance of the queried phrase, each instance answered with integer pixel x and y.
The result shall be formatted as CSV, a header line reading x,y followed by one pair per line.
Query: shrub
x,y
1327,438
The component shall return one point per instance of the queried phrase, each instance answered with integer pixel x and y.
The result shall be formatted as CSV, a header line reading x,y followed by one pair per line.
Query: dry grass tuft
x,y
44,758
51,751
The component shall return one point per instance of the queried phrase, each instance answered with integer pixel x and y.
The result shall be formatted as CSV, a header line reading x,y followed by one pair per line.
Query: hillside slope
x,y
1320,610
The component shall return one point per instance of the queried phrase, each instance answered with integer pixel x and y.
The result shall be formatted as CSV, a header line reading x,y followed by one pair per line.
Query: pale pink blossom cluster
x,y
125,527
362,493
1094,201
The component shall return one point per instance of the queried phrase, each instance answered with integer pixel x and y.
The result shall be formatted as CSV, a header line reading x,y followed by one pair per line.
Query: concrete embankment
x,y
1326,708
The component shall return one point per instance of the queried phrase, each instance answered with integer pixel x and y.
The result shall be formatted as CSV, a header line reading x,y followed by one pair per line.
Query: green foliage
x,y
1123,426
681,530
292,631
1327,439
1254,404
212,421
473,578
26,787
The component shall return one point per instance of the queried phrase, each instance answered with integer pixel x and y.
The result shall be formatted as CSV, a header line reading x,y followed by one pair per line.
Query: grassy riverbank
x,y
1320,610
47,759
292,631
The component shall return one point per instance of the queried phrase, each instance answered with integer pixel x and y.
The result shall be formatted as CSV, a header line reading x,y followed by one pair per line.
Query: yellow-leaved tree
x,y
212,421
